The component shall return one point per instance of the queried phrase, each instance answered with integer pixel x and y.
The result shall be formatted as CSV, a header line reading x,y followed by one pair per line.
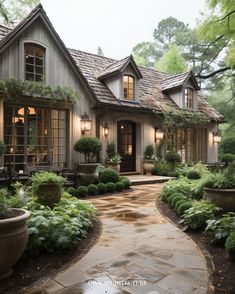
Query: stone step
x,y
145,180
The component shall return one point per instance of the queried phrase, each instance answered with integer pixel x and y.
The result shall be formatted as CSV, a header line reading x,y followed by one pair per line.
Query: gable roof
x,y
91,69
36,13
118,66
179,80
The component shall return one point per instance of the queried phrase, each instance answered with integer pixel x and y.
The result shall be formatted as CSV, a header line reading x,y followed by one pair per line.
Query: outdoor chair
x,y
71,177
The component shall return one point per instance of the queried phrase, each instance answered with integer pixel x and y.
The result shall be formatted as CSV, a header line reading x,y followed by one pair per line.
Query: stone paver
x,y
139,251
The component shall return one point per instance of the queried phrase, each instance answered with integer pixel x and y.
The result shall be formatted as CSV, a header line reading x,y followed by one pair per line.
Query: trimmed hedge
x,y
119,186
92,189
110,187
82,191
72,191
108,175
101,188
126,183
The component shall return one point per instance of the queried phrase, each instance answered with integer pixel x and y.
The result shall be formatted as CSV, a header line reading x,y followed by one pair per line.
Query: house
x,y
121,101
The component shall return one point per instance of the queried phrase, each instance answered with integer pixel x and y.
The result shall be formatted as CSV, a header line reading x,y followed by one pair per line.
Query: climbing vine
x,y
182,119
11,89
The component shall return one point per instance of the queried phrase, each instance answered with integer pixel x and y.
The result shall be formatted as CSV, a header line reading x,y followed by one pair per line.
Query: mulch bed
x,y
222,269
29,270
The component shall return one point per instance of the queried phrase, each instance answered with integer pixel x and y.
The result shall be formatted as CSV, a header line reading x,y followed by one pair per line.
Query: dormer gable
x,y
122,78
182,88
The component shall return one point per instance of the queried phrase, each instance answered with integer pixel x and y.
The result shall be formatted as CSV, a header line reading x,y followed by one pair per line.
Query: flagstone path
x,y
138,252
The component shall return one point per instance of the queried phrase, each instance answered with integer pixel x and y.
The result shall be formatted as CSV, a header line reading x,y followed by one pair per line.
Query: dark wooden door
x,y
126,145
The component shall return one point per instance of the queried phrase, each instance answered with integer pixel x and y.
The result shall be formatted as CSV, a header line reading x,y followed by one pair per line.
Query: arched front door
x,y
126,145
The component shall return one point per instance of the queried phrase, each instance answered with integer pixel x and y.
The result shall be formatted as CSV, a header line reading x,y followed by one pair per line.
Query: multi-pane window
x,y
34,63
128,87
35,136
188,98
190,143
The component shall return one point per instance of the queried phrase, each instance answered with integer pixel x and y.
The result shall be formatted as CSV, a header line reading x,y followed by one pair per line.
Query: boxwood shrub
x,y
82,191
108,175
126,183
119,186
101,188
92,189
110,187
72,191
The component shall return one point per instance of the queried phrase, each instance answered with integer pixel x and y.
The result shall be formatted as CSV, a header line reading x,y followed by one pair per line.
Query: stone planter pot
x,y
13,240
87,173
49,194
114,166
224,198
148,167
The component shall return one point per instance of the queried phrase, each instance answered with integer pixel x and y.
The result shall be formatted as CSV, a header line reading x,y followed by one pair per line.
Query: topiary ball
x,y
126,183
92,189
110,187
72,191
101,188
230,245
82,191
108,175
193,175
119,186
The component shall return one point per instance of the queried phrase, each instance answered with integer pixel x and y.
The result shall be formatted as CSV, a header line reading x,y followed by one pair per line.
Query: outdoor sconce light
x,y
85,123
106,130
158,135
216,138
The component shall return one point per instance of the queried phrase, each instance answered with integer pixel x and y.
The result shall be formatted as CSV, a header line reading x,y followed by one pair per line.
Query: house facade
x,y
126,104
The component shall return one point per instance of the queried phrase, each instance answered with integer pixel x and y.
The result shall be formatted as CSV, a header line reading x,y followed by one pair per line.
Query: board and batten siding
x,y
58,72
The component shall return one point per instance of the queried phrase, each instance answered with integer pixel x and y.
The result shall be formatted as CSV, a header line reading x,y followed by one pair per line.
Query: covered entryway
x,y
126,145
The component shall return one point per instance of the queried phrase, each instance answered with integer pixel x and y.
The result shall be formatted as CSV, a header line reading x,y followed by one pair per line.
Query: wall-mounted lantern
x,y
85,123
216,138
158,135
106,130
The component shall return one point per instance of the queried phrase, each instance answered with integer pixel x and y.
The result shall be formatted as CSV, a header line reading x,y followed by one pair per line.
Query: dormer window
x,y
188,98
128,87
34,63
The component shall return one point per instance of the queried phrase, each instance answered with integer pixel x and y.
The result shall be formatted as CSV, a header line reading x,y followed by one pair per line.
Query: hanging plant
x,y
13,88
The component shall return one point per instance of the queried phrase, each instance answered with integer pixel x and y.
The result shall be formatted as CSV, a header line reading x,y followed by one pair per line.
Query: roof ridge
x,y
97,55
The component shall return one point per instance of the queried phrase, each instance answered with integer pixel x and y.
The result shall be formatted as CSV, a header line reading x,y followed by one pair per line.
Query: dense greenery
x,y
92,189
222,180
172,157
82,191
111,154
89,147
3,201
119,186
227,158
230,245
197,215
39,179
12,88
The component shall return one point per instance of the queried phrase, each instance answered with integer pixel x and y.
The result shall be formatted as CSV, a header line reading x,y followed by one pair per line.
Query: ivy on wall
x,y
183,119
12,89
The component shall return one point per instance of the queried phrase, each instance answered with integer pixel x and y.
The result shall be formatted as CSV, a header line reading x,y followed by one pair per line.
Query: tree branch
x,y
223,69
222,18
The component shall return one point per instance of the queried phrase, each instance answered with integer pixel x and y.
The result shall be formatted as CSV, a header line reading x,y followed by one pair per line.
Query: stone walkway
x,y
138,252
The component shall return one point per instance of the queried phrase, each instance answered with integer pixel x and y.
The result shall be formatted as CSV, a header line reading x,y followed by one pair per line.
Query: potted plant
x,y
149,159
90,148
13,234
3,150
219,188
47,187
112,159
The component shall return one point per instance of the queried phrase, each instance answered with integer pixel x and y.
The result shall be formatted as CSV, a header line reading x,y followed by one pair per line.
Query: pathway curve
x,y
138,252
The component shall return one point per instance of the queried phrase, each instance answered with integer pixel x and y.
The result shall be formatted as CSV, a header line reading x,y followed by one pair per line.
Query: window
x,y
128,87
34,63
35,136
188,98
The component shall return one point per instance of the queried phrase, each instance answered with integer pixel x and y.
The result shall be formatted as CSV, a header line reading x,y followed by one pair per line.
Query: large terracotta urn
x,y
13,239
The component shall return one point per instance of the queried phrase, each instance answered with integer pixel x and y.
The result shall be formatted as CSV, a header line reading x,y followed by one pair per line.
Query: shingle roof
x,y
153,84
117,66
4,31
177,80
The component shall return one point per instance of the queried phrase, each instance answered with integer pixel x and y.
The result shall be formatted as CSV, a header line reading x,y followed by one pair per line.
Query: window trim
x,y
36,45
134,86
186,101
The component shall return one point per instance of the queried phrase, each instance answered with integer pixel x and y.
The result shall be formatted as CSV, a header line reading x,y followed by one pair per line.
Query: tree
x,y
168,32
100,51
172,61
217,30
146,54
